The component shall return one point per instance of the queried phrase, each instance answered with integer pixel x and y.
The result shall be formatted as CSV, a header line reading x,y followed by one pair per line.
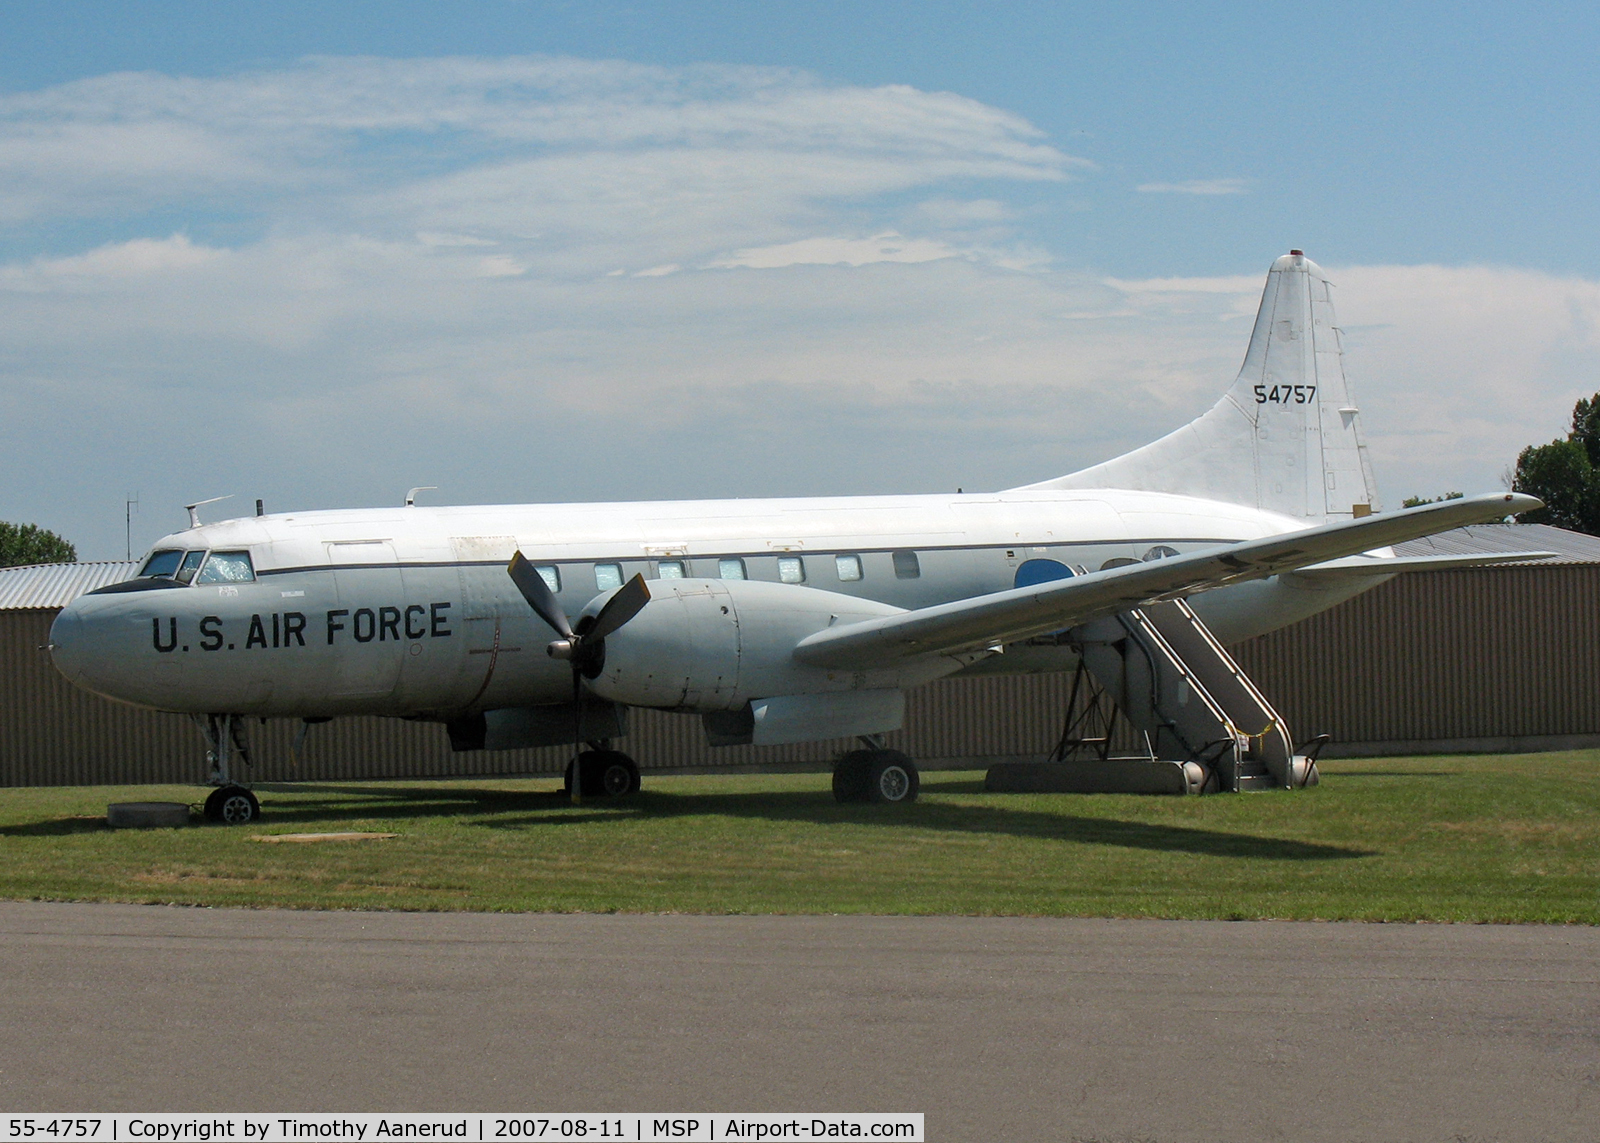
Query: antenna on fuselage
x,y
194,516
411,497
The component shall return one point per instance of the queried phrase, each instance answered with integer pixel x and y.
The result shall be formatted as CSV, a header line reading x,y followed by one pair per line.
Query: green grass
x,y
1480,838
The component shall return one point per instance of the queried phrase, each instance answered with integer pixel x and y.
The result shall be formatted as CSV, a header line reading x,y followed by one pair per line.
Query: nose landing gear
x,y
226,741
232,805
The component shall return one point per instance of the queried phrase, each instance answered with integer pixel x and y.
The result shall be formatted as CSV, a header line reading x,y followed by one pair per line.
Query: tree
x,y
1566,474
30,544
1418,501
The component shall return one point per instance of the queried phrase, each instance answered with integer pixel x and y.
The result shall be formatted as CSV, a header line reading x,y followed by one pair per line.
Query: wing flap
x,y
1006,616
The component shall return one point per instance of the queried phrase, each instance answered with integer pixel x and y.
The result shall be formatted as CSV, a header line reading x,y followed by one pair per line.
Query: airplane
x,y
774,620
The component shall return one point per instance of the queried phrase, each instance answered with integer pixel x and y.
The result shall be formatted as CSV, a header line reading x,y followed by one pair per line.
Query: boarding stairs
x,y
1205,725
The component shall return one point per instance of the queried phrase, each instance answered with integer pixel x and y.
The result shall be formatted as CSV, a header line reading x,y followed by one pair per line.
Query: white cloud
x,y
886,247
112,264
965,212
135,139
1197,186
473,274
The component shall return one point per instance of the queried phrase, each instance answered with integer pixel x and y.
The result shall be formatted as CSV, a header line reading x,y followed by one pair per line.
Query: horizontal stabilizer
x,y
990,621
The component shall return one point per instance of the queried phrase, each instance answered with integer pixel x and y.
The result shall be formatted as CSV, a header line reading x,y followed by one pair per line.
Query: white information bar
x,y
475,1127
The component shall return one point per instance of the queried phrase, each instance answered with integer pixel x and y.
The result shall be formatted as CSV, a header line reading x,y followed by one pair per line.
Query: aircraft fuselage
x,y
410,612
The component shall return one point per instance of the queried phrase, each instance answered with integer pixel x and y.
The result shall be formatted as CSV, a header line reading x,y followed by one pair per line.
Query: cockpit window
x,y
191,564
227,567
161,563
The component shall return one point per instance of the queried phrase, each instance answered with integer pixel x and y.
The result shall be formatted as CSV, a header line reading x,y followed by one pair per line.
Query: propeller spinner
x,y
584,646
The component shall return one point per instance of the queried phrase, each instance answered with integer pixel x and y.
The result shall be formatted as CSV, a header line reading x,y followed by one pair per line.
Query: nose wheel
x,y
232,805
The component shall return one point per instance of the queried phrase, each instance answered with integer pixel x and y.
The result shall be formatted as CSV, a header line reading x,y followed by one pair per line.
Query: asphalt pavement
x,y
995,1028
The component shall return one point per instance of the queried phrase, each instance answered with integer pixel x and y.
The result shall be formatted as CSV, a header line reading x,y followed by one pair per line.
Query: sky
x,y
322,253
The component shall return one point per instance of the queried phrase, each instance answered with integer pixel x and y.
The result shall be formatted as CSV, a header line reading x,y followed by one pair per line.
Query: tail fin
x,y
1286,437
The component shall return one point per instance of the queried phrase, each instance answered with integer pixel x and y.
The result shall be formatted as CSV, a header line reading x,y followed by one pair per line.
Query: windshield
x,y
227,567
186,570
161,563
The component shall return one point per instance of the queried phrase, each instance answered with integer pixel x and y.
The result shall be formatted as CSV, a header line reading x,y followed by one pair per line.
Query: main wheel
x,y
233,805
850,775
892,778
605,774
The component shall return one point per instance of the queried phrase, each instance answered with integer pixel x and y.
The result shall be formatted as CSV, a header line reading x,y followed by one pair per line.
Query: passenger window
x,y
550,574
906,565
161,563
670,569
227,567
849,568
190,565
791,569
732,568
607,576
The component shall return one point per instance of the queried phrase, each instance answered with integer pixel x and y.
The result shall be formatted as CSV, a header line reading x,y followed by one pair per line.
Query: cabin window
x,y
162,563
791,569
550,574
190,565
906,565
849,568
670,569
731,568
607,576
227,567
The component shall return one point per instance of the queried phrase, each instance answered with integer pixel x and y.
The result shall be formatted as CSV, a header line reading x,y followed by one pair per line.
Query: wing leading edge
x,y
987,621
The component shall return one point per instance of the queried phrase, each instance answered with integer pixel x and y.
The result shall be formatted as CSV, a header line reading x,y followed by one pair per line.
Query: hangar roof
x,y
50,586
1570,547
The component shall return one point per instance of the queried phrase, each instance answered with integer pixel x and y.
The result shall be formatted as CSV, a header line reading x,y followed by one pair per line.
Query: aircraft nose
x,y
66,642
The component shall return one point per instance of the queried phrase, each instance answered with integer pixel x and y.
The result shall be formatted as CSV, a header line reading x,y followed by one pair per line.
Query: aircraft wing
x,y
987,621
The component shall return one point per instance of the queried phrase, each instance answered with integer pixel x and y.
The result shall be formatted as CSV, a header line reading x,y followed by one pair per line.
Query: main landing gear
x,y
604,774
887,777
231,803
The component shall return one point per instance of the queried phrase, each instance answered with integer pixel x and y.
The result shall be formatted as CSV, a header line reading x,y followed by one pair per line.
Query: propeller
x,y
584,646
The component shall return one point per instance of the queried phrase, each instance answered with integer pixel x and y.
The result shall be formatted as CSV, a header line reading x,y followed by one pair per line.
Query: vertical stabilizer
x,y
1286,437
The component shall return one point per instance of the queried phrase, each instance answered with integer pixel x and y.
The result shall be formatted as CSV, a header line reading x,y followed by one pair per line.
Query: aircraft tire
x,y
892,779
850,776
606,774
232,805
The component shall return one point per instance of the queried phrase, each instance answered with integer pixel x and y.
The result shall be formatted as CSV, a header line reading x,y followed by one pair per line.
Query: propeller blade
x,y
576,793
621,607
538,594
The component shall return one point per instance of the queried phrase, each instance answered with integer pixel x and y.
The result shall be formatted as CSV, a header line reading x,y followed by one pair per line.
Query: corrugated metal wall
x,y
1488,653
1480,653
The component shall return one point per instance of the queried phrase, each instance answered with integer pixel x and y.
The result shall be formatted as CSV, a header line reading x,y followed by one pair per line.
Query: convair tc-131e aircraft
x,y
796,620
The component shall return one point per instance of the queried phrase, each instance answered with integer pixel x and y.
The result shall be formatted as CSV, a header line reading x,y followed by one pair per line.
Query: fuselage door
x,y
502,644
367,627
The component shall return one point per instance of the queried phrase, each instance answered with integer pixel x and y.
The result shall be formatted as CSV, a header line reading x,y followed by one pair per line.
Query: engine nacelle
x,y
708,645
